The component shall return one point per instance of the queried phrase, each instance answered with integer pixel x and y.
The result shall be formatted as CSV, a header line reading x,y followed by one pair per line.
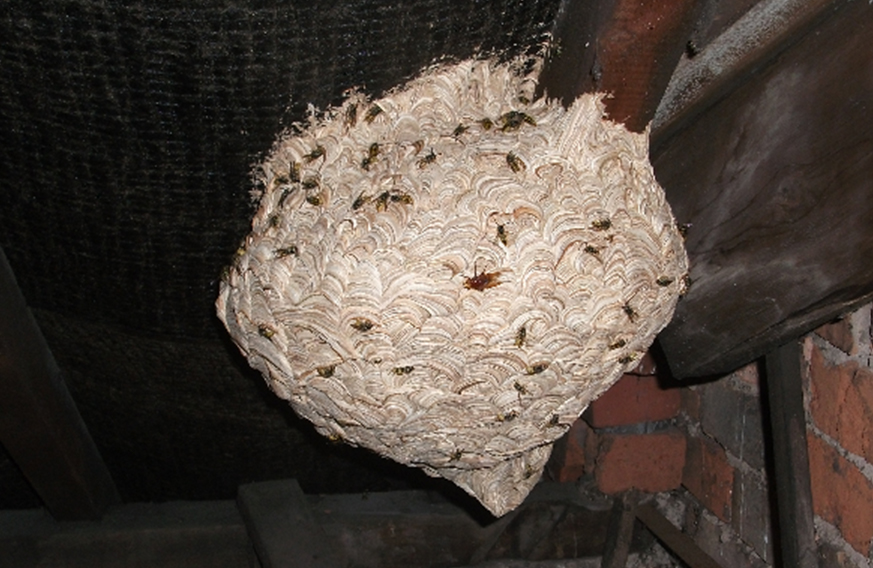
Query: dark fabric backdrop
x,y
129,131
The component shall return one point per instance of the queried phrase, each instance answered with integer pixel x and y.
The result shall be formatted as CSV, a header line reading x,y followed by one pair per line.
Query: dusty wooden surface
x,y
777,182
40,426
719,57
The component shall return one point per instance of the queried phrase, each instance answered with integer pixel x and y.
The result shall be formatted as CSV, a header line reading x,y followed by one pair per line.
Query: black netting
x,y
129,130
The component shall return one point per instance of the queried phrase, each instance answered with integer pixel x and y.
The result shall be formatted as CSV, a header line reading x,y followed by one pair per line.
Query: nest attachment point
x,y
450,274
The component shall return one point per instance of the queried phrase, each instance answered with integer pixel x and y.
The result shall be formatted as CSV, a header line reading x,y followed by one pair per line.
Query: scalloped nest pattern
x,y
449,275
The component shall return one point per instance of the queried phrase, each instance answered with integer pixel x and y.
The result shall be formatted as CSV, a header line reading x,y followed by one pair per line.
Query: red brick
x,y
709,476
839,333
571,456
648,462
634,399
842,403
841,494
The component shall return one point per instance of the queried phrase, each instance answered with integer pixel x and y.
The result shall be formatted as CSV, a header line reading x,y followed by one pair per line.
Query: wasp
x,y
528,472
294,172
326,372
460,129
486,123
382,201
482,280
404,198
553,421
310,183
315,154
281,180
287,251
523,100
508,417
285,193
429,159
536,369
515,163
520,388
592,250
456,455
501,234
352,115
362,324
683,229
520,336
513,120
372,113
664,281
617,344
360,201
601,224
265,331
314,200
625,359
629,312
372,156
403,370
692,49
686,285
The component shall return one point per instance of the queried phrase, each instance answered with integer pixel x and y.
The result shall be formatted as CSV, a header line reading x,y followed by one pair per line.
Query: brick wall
x,y
838,375
725,491
627,439
704,449
724,483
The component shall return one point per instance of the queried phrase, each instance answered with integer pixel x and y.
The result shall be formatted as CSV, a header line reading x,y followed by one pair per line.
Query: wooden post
x,y
39,423
620,532
627,48
790,457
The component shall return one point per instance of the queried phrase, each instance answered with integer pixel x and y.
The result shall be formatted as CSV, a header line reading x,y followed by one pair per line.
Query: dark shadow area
x,y
769,463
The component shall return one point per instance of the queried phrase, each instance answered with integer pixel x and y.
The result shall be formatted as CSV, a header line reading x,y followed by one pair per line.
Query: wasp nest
x,y
449,275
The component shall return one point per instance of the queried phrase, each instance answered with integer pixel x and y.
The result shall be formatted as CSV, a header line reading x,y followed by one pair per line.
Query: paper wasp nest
x,y
449,275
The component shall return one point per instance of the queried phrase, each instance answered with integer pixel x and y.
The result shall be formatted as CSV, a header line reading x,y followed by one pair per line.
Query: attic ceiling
x,y
131,131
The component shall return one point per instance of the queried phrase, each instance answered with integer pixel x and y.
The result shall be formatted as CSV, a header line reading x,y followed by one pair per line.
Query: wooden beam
x,y
775,182
675,540
790,456
39,423
698,82
620,532
627,48
283,528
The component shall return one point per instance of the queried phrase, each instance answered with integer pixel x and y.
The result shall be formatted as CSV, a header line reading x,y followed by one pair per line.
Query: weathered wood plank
x,y
626,48
776,181
283,529
39,423
620,532
698,82
790,456
675,540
